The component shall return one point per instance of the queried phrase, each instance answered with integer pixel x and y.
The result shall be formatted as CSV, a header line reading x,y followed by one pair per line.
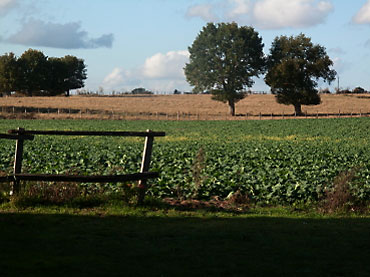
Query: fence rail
x,y
20,135
86,113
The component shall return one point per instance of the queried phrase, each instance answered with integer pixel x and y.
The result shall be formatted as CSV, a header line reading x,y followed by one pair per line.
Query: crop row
x,y
271,161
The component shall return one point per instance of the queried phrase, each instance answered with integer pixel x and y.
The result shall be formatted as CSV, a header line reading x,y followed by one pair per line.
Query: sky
x,y
144,43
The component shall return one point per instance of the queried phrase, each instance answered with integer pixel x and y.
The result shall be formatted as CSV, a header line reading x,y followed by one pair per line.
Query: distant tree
x,y
176,91
33,71
359,90
294,66
141,91
223,59
76,73
8,73
138,91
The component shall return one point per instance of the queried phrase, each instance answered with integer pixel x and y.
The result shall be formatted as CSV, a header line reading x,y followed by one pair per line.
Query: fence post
x,y
145,164
17,161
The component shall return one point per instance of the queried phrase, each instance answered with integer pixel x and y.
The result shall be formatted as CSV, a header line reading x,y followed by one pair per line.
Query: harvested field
x,y
184,106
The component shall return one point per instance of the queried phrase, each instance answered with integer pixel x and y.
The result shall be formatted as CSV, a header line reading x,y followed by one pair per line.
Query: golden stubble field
x,y
196,105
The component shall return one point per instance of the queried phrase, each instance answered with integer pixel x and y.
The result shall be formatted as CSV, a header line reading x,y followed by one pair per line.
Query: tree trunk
x,y
232,107
298,109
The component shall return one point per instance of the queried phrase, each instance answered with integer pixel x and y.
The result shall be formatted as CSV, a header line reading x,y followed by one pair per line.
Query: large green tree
x,y
8,73
223,60
34,71
65,74
294,67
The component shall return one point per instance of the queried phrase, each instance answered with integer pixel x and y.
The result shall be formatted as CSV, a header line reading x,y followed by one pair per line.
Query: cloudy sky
x,y
143,43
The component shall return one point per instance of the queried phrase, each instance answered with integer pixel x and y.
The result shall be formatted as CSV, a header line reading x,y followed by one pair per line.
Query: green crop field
x,y
273,162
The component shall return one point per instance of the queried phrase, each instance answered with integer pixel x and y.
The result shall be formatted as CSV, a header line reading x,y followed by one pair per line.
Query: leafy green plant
x,y
272,162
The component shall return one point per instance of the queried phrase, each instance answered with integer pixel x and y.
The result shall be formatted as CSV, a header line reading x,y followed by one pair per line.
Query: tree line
x,y
33,73
225,57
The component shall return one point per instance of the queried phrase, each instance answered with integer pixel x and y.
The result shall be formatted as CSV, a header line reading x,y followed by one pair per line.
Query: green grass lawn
x,y
114,241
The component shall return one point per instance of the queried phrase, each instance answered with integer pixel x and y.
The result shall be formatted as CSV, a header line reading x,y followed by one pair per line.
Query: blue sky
x,y
143,43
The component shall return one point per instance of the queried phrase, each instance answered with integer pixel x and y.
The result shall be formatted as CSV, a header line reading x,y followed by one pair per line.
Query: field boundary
x,y
36,112
42,113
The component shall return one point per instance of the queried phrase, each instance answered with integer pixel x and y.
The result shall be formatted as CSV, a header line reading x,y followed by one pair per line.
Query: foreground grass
x,y
126,241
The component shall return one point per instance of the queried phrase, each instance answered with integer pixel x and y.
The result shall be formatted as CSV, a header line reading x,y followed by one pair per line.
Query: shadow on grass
x,y
77,245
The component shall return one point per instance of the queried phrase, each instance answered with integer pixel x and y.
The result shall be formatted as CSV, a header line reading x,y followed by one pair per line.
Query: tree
x,y
75,73
57,75
141,91
8,73
33,69
223,60
359,90
34,73
294,67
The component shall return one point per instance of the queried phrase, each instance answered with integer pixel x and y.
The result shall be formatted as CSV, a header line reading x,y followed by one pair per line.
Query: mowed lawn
x,y
147,242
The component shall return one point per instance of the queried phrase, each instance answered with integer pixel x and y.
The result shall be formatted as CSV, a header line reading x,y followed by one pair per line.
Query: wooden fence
x,y
91,113
20,135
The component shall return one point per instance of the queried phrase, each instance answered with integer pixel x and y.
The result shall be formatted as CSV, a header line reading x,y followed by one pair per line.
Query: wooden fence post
x,y
17,162
145,164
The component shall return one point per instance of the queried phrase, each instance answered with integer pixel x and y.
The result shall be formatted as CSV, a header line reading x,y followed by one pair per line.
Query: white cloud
x,y
271,14
240,8
6,5
162,72
166,66
205,11
36,32
363,15
115,78
276,14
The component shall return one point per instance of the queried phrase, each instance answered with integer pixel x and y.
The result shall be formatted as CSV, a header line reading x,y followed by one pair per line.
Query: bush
x,y
342,197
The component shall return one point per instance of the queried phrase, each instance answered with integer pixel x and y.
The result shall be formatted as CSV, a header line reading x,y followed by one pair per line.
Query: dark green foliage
x,y
281,162
34,71
141,91
9,73
65,74
294,66
223,59
35,74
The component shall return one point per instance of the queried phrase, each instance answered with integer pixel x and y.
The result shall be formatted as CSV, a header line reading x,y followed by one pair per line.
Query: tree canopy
x,y
8,73
34,73
294,67
223,60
